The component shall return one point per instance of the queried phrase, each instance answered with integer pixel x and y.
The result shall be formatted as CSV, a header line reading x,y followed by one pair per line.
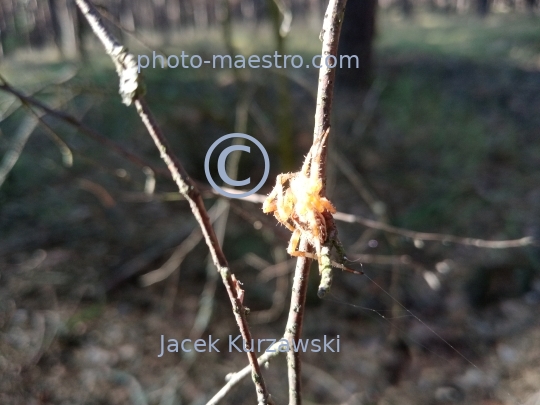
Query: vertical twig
x,y
330,39
131,92
325,92
293,330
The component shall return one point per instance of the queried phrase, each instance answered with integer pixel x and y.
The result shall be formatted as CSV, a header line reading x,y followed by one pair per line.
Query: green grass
x,y
498,38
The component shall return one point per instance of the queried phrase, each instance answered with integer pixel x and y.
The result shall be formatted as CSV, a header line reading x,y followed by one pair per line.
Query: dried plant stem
x,y
424,236
91,133
325,92
18,142
293,330
330,39
235,378
131,93
259,199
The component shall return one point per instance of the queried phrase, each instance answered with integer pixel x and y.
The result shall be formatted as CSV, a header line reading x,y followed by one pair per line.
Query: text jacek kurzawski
x,y
237,344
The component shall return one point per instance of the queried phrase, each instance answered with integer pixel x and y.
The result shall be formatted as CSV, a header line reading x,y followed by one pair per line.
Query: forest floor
x,y
445,140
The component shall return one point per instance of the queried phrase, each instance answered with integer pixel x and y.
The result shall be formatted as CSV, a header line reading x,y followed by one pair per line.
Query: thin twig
x,y
206,301
65,75
280,294
235,378
346,167
424,236
131,92
293,330
26,128
325,381
70,119
112,19
258,198
67,154
276,270
20,138
325,93
369,106
179,254
330,39
206,298
372,224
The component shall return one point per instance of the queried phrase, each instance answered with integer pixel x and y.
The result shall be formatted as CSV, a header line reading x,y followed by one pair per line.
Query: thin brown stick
x,y
131,93
258,198
346,167
276,270
424,236
330,38
206,299
326,381
70,119
180,253
234,378
372,224
325,93
22,134
293,330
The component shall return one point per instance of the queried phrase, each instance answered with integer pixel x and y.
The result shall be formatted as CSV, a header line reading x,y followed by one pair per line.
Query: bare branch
x,y
346,167
180,253
258,198
372,224
325,93
70,119
424,236
132,92
293,330
330,38
17,145
25,129
235,378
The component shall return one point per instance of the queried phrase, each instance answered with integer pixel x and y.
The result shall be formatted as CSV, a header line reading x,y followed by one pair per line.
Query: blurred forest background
x,y
437,131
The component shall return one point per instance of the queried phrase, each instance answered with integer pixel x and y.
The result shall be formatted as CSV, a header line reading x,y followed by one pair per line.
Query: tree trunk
x,y
406,7
356,39
483,7
65,17
531,4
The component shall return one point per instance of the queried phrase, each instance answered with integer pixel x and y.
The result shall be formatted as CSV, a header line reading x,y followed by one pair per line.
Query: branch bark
x,y
235,378
71,120
258,198
132,92
293,330
325,93
330,39
440,237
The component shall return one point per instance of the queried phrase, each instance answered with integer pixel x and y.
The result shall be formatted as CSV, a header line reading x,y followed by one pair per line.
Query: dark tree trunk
x,y
531,4
406,7
483,7
356,39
